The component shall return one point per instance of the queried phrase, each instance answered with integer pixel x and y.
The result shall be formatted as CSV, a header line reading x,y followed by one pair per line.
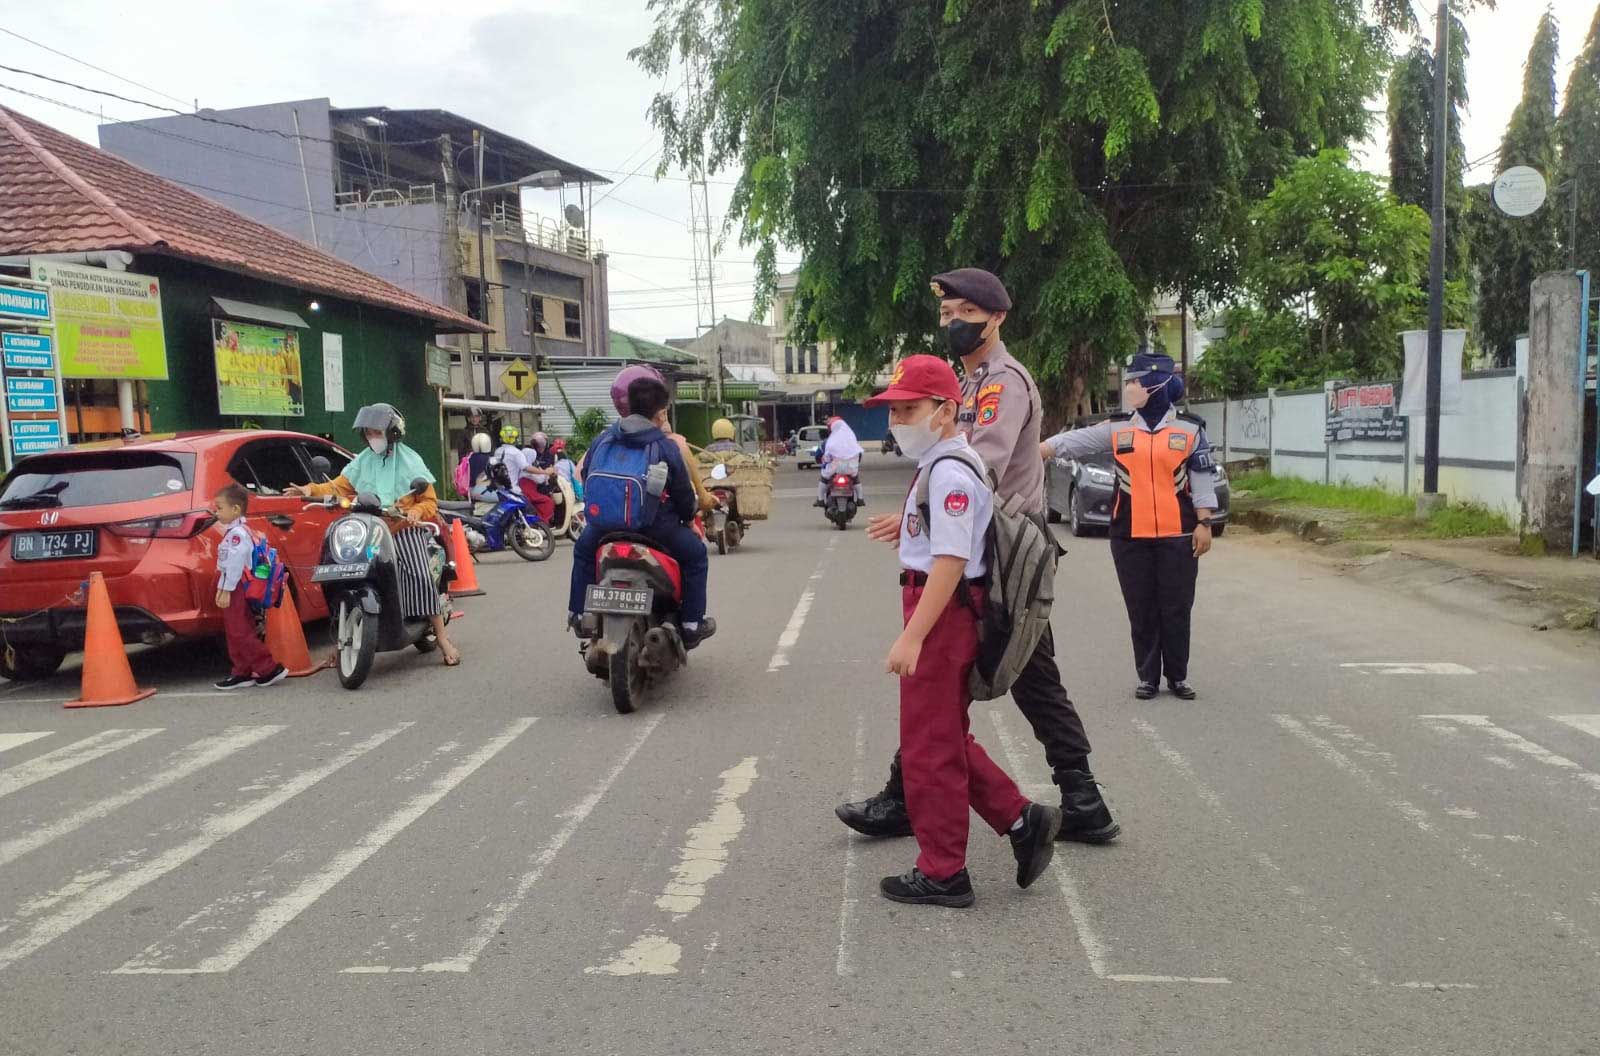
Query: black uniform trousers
x,y
1043,701
1158,578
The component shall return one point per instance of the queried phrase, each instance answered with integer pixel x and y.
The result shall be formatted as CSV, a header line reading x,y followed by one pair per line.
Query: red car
x,y
139,512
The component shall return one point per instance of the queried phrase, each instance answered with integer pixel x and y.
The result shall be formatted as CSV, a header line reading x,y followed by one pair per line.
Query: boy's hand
x,y
884,528
903,656
223,598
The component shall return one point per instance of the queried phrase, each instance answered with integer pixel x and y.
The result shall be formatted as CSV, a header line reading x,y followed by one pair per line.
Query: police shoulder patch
x,y
989,402
1178,441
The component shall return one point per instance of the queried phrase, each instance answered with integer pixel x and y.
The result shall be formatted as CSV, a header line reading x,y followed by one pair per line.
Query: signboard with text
x,y
108,323
25,303
1363,412
30,415
258,370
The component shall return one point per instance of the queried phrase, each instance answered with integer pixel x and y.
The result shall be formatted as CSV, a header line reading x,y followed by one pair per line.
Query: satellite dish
x,y
1520,191
574,215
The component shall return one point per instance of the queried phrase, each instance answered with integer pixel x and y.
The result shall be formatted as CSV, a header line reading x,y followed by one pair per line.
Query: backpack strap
x,y
924,484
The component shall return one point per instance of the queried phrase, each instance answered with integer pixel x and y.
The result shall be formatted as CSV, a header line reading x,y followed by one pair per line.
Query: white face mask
x,y
379,444
1134,396
917,438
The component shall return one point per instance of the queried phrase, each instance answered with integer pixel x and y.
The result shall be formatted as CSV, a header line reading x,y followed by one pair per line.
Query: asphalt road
x,y
1376,832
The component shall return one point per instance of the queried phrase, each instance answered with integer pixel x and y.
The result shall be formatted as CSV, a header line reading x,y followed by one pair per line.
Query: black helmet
x,y
381,416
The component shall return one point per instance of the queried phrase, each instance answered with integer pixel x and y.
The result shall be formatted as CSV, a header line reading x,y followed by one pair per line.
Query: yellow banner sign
x,y
108,323
258,370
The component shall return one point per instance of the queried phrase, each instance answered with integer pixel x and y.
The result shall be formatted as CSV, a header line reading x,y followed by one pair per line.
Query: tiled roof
x,y
61,195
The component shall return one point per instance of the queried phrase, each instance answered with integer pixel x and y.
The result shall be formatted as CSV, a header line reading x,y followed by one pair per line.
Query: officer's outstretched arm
x,y
1078,443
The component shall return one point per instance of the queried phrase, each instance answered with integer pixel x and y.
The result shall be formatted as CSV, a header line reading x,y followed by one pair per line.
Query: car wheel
x,y
1079,529
30,663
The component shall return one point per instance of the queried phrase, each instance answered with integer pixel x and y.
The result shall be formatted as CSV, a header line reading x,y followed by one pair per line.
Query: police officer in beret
x,y
1000,415
1161,517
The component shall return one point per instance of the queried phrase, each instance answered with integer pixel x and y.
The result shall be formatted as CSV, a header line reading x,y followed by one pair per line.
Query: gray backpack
x,y
1021,557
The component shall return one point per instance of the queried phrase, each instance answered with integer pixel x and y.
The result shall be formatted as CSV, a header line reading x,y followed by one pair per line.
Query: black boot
x,y
917,889
1183,690
1034,842
1085,818
884,814
1146,691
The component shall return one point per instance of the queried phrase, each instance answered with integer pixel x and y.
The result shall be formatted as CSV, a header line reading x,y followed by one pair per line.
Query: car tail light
x,y
172,526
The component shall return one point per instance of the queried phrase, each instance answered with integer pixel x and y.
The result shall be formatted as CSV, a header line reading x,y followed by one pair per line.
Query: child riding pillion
x,y
943,574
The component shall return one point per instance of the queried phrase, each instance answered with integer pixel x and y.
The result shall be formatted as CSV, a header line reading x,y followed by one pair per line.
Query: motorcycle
x,y
509,523
725,526
843,480
570,518
629,631
889,445
360,578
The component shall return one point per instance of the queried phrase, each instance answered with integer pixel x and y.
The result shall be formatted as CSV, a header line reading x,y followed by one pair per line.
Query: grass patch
x,y
1377,512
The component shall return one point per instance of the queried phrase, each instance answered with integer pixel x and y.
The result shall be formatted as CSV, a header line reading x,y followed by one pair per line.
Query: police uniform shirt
x,y
959,507
1000,416
1098,438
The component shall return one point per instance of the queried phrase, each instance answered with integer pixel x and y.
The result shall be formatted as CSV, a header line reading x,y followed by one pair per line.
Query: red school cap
x,y
918,378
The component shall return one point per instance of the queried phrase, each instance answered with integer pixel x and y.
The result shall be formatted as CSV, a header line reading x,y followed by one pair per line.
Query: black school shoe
x,y
881,816
1183,690
918,889
235,682
706,629
1034,843
1085,818
273,677
1146,691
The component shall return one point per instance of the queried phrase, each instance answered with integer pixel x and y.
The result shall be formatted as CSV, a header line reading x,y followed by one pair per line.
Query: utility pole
x,y
705,288
483,275
1441,147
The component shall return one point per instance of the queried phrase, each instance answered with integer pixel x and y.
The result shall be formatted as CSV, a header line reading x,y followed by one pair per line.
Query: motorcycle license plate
x,y
619,601
332,573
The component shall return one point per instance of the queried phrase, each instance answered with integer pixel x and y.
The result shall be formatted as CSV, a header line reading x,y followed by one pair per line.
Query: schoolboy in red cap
x,y
942,576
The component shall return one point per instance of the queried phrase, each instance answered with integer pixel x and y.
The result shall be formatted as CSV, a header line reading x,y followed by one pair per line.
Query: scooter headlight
x,y
349,541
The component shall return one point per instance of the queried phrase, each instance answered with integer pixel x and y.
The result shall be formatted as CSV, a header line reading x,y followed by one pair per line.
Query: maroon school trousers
x,y
946,770
248,653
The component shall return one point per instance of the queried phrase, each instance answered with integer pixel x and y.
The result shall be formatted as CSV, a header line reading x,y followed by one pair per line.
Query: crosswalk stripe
x,y
495,916
1521,744
179,765
63,759
17,740
1589,724
280,911
78,903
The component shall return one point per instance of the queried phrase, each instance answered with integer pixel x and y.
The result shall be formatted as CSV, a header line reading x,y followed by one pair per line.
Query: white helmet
x,y
482,444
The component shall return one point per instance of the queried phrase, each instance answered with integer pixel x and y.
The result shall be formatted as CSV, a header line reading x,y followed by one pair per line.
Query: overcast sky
x,y
552,72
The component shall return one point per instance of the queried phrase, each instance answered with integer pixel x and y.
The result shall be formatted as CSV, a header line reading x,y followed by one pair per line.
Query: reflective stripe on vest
x,y
1152,472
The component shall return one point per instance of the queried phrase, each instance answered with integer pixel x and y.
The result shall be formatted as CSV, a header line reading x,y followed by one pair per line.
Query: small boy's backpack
x,y
618,491
1021,558
267,579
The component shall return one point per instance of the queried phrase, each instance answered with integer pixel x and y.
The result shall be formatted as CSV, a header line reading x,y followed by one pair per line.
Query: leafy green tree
x,y
1578,130
1510,252
1411,112
1091,153
1333,273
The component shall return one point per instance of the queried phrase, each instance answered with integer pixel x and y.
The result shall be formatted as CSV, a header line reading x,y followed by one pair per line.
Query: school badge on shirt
x,y
913,525
957,503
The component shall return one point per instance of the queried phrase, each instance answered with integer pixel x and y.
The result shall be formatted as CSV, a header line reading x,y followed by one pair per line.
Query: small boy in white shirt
x,y
253,664
942,578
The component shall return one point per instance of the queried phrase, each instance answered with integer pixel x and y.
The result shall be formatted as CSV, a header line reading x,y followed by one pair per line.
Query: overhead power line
x,y
90,65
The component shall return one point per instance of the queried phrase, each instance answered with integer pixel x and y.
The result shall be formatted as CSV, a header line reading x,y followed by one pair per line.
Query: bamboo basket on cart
x,y
751,474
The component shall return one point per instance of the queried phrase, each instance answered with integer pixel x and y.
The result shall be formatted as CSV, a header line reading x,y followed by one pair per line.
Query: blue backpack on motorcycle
x,y
615,490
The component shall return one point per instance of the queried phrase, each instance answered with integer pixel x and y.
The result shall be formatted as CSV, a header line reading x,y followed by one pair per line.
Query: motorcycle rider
x,y
722,434
841,445
644,401
385,468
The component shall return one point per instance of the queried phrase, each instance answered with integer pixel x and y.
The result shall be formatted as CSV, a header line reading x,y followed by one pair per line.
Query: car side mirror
x,y
321,469
419,487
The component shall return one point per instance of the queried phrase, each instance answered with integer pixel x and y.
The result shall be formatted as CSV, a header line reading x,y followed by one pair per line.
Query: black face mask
x,y
962,338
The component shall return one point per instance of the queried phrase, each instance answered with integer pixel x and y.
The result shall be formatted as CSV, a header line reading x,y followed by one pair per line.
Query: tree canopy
x,y
1090,152
1578,130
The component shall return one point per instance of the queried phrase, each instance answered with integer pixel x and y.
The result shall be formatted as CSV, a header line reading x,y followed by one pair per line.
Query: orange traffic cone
x,y
107,678
465,584
286,639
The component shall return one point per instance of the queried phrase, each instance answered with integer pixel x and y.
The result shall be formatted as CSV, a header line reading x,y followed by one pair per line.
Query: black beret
x,y
980,287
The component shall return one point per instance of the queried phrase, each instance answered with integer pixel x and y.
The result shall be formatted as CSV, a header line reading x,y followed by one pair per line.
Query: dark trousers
x,y
948,775
249,654
1158,579
1043,701
686,548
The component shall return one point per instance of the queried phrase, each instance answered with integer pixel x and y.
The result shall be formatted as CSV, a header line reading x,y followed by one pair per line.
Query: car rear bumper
x,y
64,628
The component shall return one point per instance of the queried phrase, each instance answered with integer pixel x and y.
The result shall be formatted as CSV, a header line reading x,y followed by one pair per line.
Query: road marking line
x,y
75,754
174,768
1419,817
17,740
1589,724
495,916
797,619
1412,668
843,958
1529,748
1202,979
106,890
272,917
702,858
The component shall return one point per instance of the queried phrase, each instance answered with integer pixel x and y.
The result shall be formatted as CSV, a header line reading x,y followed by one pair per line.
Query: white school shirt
x,y
233,555
960,505
511,456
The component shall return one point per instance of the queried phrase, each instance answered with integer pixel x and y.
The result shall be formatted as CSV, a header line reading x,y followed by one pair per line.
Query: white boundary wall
x,y
1477,448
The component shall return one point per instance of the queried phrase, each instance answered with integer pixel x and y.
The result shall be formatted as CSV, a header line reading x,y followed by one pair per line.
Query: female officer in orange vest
x,y
1166,494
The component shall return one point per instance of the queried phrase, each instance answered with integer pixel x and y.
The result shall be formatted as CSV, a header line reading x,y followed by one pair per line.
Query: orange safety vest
x,y
1152,469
